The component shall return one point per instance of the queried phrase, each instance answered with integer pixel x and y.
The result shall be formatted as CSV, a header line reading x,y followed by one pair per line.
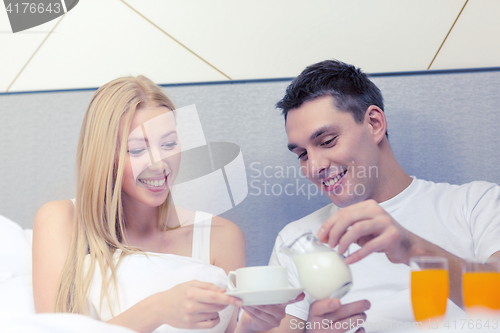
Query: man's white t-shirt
x,y
464,220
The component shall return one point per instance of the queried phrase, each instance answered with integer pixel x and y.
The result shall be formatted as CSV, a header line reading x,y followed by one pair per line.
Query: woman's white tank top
x,y
142,275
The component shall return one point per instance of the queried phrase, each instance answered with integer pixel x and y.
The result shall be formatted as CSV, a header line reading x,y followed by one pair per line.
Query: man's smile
x,y
331,181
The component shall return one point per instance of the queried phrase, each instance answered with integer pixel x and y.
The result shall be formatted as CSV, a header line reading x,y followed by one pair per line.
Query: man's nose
x,y
318,163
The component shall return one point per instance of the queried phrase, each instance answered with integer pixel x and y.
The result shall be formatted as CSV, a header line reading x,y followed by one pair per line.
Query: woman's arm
x,y
52,231
228,252
193,305
227,235
188,305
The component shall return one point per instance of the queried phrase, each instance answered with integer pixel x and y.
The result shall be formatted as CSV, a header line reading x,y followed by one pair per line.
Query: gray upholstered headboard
x,y
442,127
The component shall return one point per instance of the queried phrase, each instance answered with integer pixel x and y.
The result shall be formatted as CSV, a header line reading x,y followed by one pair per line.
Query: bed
x,y
17,309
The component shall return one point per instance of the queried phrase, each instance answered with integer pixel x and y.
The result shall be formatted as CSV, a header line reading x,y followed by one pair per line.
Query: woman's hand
x,y
264,317
193,304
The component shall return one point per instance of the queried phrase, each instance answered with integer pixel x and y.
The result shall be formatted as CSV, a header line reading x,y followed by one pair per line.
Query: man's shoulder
x,y
311,222
450,197
478,187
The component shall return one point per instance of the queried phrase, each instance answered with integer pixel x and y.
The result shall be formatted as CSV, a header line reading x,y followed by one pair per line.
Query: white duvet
x,y
17,310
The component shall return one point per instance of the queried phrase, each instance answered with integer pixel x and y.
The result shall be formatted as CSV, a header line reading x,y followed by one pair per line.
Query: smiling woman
x,y
153,156
122,252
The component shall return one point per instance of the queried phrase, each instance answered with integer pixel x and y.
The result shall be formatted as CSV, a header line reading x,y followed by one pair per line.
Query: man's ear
x,y
375,118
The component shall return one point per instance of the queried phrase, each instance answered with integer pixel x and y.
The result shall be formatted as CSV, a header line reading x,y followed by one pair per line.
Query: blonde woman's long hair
x,y
99,216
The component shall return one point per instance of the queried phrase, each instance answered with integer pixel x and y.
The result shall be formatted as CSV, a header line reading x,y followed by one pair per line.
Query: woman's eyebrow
x,y
145,138
137,139
168,134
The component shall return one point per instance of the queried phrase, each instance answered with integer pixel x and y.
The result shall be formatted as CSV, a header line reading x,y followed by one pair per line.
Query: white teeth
x,y
154,182
334,179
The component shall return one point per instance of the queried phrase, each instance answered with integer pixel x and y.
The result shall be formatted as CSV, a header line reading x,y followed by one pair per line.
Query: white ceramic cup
x,y
258,278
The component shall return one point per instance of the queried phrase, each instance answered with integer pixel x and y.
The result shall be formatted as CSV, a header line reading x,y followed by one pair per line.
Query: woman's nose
x,y
154,154
158,166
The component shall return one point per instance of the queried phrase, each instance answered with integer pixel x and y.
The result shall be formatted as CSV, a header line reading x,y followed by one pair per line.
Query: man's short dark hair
x,y
351,89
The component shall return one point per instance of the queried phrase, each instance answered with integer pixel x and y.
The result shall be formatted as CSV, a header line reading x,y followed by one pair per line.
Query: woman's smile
x,y
154,184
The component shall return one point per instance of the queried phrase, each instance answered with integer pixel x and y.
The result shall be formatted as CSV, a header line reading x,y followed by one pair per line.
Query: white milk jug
x,y
323,272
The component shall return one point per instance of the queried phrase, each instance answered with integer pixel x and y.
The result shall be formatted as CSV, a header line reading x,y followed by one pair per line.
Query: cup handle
x,y
230,281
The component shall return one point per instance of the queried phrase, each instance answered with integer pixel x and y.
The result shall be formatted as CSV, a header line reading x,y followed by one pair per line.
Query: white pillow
x,y
15,250
56,323
16,295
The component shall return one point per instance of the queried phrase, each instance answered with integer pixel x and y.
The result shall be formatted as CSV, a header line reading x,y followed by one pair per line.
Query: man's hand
x,y
372,228
264,317
329,313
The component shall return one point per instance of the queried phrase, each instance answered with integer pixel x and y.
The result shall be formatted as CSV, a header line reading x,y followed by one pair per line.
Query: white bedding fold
x,y
55,323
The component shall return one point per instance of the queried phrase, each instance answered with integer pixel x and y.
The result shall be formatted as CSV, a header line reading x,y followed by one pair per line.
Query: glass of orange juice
x,y
481,286
429,287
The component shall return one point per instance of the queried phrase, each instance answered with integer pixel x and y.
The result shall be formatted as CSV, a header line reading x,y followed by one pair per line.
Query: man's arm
x,y
495,255
328,315
372,228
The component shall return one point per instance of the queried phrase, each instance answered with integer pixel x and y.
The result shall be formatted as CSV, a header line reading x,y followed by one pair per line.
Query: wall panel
x,y
441,127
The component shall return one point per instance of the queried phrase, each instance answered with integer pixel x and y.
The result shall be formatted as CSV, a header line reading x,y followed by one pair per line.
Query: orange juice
x,y
429,293
482,289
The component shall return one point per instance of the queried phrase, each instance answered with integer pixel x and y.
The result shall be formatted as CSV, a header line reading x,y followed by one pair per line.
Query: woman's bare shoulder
x,y
223,228
55,216
227,244
52,233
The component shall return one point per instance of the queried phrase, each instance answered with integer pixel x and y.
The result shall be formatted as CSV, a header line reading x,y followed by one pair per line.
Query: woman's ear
x,y
375,118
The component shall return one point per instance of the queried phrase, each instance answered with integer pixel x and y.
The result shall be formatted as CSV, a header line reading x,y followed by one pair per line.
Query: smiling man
x,y
379,216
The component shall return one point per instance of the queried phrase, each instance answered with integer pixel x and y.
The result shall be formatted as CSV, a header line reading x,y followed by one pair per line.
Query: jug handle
x,y
230,281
